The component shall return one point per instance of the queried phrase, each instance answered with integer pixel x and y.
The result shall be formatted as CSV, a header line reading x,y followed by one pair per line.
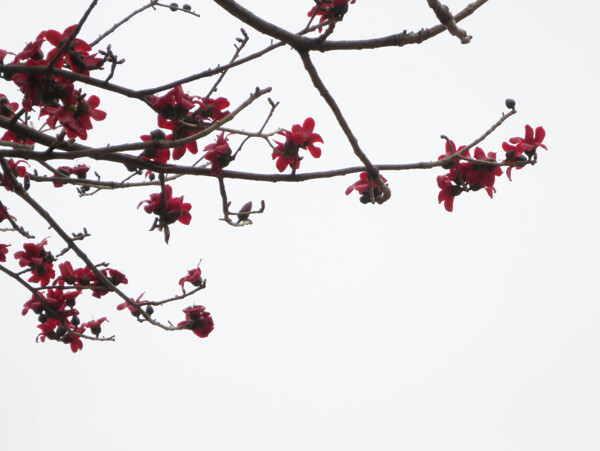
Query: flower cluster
x,y
330,9
300,137
56,95
55,306
186,115
468,173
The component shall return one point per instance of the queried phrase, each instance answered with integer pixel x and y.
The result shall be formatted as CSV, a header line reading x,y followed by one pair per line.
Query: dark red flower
x,y
531,140
77,55
40,89
219,154
16,169
448,191
40,262
133,309
76,118
95,325
300,137
3,54
75,341
362,187
80,171
198,320
520,146
47,330
175,209
154,154
115,277
193,277
3,216
330,9
3,250
174,102
482,176
213,108
32,51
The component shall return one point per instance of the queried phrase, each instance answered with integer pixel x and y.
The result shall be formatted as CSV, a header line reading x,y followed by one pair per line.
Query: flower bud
x,y
510,104
173,6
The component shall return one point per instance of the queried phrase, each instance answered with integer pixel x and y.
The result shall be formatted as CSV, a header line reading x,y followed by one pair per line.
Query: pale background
x,y
338,325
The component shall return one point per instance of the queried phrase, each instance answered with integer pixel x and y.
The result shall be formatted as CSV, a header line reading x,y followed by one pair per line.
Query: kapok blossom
x,y
40,262
198,320
519,146
16,169
77,55
76,117
174,207
193,277
155,154
330,9
466,175
3,252
300,137
362,187
80,171
95,326
219,154
135,306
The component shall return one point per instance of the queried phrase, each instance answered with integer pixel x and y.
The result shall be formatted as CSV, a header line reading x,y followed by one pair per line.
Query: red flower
x,y
198,320
7,108
115,277
3,250
193,277
174,102
77,56
95,325
40,262
81,277
448,191
40,89
3,54
213,108
527,145
483,176
330,9
219,154
76,118
3,216
133,309
32,51
47,330
531,141
176,209
16,170
80,171
362,187
300,137
154,154
75,341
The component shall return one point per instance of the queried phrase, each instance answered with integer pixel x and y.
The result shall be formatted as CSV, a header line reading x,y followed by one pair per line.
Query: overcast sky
x,y
337,325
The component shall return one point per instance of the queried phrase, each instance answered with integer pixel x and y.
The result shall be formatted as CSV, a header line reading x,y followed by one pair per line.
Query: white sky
x,y
338,325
